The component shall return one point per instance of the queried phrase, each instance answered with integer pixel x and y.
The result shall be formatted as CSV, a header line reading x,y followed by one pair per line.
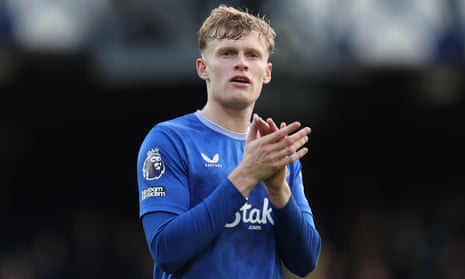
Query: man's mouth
x,y
241,79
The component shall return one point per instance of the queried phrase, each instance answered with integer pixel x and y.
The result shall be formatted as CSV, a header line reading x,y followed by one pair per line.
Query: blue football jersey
x,y
180,162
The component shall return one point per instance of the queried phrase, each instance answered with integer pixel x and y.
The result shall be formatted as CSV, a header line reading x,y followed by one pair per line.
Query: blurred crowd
x,y
134,39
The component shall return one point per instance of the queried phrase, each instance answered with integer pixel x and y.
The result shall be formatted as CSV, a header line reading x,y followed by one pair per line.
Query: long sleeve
x,y
175,239
298,241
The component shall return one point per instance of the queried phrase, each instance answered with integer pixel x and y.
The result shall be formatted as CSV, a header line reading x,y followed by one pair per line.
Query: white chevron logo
x,y
214,160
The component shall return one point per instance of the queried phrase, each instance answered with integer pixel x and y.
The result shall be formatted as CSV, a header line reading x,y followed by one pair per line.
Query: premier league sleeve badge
x,y
154,167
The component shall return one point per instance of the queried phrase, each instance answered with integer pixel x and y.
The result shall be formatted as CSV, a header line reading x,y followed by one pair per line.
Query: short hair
x,y
230,23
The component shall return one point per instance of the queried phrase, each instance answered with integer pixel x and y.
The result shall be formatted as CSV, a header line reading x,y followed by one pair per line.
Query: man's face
x,y
235,70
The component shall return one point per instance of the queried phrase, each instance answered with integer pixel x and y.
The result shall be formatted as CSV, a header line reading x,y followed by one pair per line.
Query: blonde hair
x,y
230,23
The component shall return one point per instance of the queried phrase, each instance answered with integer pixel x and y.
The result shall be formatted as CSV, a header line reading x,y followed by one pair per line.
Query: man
x,y
221,196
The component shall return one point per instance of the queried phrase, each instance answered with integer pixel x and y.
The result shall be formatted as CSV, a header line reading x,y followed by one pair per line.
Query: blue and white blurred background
x,y
380,82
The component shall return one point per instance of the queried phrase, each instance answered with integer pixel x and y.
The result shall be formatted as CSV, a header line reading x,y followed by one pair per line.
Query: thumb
x,y
253,130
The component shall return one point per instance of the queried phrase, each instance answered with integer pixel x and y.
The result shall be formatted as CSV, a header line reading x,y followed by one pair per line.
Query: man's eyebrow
x,y
235,48
223,48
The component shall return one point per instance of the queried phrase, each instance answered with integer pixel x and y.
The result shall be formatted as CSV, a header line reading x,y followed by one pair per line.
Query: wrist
x,y
279,197
242,181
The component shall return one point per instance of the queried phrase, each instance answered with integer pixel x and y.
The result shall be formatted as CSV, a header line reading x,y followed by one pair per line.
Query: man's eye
x,y
252,55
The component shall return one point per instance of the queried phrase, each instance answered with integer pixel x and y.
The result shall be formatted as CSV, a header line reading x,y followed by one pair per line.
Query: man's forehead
x,y
250,40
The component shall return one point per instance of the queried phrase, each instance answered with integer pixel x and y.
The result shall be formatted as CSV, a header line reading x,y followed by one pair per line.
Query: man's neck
x,y
236,120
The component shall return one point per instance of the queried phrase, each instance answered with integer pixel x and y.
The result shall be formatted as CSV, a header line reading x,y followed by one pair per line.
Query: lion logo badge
x,y
154,167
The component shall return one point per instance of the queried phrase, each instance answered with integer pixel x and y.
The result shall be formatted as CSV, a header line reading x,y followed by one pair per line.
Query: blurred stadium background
x,y
380,82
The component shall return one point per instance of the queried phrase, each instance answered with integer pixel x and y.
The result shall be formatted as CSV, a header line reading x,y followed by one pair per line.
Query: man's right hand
x,y
268,151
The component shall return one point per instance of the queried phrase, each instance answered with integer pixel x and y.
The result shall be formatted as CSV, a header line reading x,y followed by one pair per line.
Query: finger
x,y
272,124
252,132
262,126
283,132
298,139
291,146
297,155
286,160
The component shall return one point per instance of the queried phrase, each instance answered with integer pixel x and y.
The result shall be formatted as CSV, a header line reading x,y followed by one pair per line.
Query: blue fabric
x,y
196,222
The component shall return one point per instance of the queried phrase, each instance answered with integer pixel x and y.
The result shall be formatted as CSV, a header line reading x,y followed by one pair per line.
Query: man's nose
x,y
241,62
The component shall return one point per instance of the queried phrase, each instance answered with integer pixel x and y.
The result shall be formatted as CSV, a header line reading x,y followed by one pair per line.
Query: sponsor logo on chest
x,y
254,217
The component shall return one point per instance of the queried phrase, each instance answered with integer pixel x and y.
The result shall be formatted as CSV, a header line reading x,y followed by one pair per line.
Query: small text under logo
x,y
155,191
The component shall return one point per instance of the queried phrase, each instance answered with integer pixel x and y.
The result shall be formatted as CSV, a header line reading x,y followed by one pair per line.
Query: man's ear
x,y
201,68
267,77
